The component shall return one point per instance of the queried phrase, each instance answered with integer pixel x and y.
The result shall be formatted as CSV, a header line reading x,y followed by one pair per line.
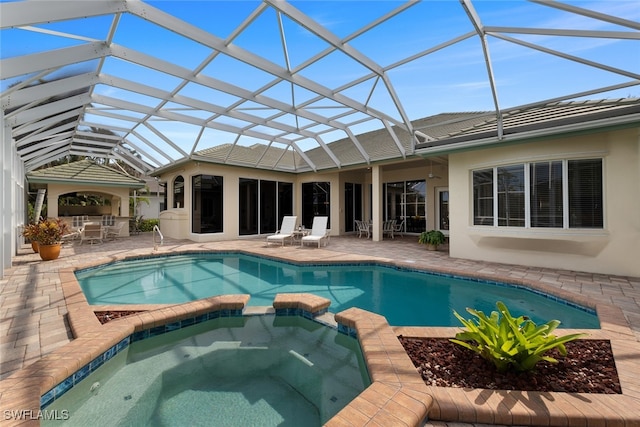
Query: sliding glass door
x,y
316,197
207,204
262,204
352,205
407,201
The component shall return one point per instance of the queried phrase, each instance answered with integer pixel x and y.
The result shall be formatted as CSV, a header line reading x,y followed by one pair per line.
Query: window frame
x,y
207,195
316,201
527,166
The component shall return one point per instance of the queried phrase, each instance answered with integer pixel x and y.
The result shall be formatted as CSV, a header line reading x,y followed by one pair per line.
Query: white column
x,y
376,203
11,183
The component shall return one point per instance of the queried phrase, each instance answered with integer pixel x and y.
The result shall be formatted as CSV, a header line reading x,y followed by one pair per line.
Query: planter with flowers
x,y
30,232
49,236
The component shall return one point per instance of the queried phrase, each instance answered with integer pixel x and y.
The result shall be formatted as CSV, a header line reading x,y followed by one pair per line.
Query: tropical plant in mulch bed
x,y
510,342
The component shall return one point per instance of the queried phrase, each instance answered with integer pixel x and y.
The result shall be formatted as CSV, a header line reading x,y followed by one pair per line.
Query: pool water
x,y
257,370
404,297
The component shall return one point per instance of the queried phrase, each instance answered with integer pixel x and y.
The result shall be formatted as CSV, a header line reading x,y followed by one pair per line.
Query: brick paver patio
x,y
33,310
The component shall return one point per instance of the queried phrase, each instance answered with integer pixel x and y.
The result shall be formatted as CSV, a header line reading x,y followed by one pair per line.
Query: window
x,y
178,192
268,207
511,196
551,189
163,204
285,200
546,194
248,206
316,197
207,204
585,194
483,197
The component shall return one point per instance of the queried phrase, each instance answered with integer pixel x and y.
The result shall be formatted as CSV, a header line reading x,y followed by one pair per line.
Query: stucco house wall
x,y
614,249
176,222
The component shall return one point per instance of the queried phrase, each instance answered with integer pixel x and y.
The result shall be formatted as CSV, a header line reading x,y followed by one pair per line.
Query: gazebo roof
x,y
84,172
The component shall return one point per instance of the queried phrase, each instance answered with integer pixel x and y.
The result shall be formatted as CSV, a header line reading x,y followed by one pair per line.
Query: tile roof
x,y
549,119
84,172
441,129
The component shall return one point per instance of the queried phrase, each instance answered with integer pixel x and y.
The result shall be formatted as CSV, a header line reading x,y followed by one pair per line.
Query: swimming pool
x,y
405,297
251,370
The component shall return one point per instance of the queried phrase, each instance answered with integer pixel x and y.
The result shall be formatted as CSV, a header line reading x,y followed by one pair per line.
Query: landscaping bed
x,y
589,367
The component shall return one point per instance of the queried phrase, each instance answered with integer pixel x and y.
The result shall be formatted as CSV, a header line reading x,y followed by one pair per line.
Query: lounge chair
x,y
319,232
286,231
74,234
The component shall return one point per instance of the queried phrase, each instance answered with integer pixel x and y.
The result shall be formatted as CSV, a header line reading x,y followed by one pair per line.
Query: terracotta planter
x,y
49,252
34,246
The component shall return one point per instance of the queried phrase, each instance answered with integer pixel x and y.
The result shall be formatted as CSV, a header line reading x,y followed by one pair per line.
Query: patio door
x,y
352,205
406,201
442,209
262,204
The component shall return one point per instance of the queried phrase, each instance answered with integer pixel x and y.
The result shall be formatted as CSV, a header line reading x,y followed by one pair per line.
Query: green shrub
x,y
147,224
432,237
510,342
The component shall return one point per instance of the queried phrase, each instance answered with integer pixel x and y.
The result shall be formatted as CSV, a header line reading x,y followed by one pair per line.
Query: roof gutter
x,y
167,168
49,180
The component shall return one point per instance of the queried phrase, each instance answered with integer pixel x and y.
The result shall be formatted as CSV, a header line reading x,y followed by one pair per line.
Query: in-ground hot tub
x,y
249,370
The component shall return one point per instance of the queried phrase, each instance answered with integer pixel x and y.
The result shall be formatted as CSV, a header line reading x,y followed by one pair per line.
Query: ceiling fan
x,y
431,175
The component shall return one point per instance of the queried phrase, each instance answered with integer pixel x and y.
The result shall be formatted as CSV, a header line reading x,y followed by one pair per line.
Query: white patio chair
x,y
319,232
114,231
388,227
399,228
286,231
363,228
91,233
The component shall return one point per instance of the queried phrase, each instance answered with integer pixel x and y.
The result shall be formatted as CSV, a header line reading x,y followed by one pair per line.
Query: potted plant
x,y
431,238
30,232
49,236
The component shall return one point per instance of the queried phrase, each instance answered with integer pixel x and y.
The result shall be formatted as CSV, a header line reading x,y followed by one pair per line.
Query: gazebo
x,y
85,178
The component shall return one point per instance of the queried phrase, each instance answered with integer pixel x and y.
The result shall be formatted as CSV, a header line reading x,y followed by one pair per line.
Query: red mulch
x,y
106,316
589,367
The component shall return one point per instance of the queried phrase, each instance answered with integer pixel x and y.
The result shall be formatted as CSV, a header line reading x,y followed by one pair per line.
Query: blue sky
x,y
451,79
